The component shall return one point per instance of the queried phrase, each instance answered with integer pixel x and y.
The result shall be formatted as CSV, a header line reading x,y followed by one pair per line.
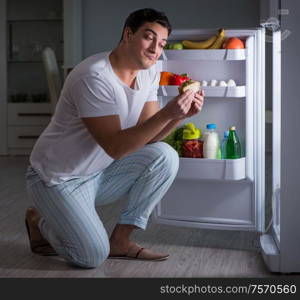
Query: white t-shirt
x,y
66,149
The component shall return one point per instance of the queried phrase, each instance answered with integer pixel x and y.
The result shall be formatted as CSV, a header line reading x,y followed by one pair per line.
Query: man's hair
x,y
139,17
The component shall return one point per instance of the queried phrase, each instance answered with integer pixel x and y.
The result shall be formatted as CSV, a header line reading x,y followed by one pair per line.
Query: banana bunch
x,y
214,42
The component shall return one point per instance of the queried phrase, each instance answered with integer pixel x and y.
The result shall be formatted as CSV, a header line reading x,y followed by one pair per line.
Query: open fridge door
x,y
271,240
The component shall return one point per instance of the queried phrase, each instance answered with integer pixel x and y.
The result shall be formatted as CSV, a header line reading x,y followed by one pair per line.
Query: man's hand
x,y
185,105
179,106
196,105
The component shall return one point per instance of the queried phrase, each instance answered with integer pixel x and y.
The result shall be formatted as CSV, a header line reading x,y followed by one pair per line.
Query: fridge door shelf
x,y
218,91
213,169
204,54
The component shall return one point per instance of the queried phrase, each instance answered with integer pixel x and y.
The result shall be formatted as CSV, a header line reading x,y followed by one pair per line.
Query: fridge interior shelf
x,y
204,54
214,169
218,91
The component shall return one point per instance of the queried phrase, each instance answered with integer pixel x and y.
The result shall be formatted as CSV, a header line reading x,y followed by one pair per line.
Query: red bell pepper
x,y
177,79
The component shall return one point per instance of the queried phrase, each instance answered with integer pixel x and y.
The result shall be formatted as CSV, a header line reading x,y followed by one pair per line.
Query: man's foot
x,y
134,251
38,244
33,218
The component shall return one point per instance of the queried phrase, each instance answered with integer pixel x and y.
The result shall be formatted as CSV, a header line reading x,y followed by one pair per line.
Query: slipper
x,y
41,246
142,254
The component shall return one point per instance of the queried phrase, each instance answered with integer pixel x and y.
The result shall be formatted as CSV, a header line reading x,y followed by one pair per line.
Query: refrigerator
x,y
229,194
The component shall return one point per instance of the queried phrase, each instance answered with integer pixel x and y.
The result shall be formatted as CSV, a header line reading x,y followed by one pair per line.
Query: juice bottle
x,y
233,146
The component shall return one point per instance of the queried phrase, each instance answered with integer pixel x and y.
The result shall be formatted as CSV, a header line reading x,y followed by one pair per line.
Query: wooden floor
x,y
194,252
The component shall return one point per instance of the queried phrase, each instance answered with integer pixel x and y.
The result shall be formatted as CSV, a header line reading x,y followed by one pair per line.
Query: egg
x,y
204,83
213,82
222,83
231,82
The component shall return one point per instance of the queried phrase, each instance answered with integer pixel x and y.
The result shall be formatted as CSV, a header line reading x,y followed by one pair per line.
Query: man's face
x,y
147,44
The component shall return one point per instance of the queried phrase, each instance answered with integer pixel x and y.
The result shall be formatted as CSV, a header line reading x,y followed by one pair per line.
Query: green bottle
x,y
233,146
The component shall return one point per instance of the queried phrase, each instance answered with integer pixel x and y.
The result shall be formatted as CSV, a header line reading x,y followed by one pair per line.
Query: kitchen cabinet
x,y
27,27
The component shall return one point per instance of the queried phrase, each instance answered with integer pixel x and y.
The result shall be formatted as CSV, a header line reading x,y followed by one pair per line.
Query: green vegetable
x,y
174,139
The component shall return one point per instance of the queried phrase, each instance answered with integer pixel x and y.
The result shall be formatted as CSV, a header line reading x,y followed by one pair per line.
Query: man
x,y
103,143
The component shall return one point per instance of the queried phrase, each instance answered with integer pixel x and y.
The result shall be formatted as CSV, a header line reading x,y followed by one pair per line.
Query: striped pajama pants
x,y
69,220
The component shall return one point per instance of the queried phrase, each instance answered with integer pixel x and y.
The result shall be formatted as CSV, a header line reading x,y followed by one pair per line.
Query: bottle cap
x,y
211,126
232,128
190,132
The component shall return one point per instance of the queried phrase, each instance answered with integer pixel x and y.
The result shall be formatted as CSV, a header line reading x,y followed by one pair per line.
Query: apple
x,y
177,46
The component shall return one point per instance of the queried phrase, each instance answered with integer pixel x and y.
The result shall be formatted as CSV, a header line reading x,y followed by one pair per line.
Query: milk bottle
x,y
211,146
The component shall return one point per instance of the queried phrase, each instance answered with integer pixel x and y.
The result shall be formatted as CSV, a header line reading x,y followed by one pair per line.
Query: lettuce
x,y
174,139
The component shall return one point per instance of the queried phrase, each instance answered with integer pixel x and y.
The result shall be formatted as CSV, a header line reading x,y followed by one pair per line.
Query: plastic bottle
x,y
233,146
223,145
211,146
192,146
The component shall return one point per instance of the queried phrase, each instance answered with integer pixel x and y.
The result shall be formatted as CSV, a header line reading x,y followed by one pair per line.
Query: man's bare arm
x,y
149,110
118,142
